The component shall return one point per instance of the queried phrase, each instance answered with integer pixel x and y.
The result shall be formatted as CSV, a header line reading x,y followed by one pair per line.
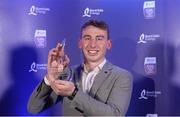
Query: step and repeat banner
x,y
145,36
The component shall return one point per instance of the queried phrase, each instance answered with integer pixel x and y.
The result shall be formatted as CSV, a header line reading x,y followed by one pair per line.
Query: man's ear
x,y
80,44
109,44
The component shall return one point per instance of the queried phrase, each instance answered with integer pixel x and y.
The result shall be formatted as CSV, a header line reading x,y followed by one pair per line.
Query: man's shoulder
x,y
120,71
115,68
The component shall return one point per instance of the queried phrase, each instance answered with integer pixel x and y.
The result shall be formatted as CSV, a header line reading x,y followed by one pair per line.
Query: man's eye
x,y
99,38
86,38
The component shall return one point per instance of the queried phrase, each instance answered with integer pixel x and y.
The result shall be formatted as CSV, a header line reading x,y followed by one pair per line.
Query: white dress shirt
x,y
88,77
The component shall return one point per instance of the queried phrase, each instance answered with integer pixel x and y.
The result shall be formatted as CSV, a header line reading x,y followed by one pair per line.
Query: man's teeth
x,y
92,51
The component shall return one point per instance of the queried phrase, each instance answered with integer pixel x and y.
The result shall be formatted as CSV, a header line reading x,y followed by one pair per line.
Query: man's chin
x,y
93,60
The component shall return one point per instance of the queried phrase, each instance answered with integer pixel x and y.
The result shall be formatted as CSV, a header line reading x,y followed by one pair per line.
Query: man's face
x,y
94,42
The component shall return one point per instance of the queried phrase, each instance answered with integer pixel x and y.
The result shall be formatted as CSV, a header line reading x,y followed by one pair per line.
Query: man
x,y
95,88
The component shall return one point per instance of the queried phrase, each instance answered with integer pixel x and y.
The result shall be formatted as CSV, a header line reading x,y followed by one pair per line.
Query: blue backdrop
x,y
145,36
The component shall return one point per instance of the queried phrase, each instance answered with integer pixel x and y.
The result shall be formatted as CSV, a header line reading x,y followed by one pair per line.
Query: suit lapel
x,y
78,76
100,78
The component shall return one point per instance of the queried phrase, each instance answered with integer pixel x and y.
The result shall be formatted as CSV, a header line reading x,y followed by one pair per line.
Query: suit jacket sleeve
x,y
41,98
118,97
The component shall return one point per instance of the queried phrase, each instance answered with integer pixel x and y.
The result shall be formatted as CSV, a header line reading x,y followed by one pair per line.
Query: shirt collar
x,y
97,68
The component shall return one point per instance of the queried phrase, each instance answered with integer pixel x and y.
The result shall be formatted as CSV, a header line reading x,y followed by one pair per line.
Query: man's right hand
x,y
57,62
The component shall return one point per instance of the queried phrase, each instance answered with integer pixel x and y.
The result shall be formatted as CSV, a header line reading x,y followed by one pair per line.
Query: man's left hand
x,y
62,87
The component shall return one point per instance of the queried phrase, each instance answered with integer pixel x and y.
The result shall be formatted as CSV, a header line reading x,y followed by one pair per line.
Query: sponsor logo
x,y
146,94
144,38
35,67
150,66
89,12
143,94
40,38
37,10
149,9
151,115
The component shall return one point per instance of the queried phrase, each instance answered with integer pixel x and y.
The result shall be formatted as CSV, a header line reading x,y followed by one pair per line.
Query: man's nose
x,y
92,43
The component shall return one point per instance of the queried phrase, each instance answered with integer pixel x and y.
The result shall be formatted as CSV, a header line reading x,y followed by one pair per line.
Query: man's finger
x,y
51,55
66,61
60,49
61,82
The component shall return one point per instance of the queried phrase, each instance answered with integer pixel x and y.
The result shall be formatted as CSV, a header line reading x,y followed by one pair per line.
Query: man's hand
x,y
62,87
57,61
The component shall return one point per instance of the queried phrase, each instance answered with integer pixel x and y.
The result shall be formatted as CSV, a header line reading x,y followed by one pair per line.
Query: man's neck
x,y
91,65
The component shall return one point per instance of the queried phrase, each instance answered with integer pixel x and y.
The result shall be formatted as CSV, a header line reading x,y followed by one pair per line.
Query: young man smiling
x,y
94,88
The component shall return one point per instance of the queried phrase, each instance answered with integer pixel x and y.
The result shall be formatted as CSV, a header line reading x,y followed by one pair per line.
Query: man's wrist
x,y
71,97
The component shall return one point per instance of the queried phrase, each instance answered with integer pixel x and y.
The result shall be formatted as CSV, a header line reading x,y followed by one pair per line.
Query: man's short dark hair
x,y
96,23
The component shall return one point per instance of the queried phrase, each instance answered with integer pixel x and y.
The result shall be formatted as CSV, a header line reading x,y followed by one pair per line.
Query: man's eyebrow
x,y
100,36
86,36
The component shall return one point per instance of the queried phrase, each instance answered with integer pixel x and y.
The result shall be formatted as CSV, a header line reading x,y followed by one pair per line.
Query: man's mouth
x,y
93,52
